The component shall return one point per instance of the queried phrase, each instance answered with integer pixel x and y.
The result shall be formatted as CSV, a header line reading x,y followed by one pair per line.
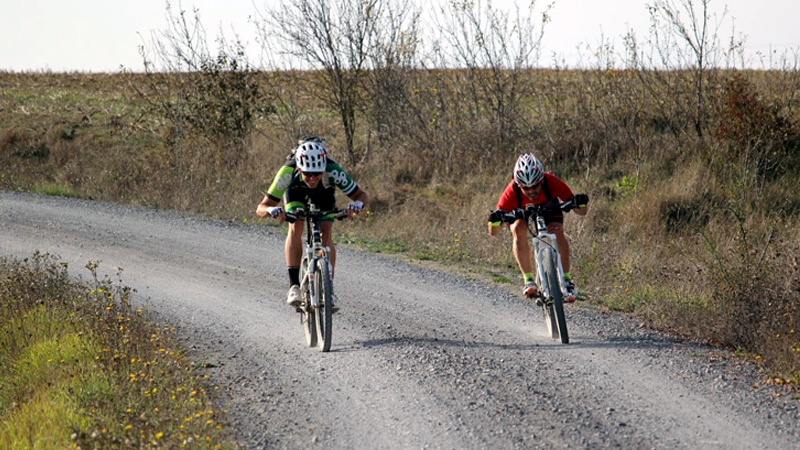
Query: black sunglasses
x,y
531,187
312,174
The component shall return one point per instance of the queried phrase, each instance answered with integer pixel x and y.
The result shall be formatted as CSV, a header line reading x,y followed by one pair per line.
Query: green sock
x,y
527,276
567,276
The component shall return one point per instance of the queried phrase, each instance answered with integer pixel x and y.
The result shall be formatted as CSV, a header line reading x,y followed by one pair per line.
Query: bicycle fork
x,y
315,256
540,245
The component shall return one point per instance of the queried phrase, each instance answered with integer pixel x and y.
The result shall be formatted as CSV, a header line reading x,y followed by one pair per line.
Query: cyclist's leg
x,y
522,253
522,246
326,233
557,228
293,252
325,199
294,199
293,248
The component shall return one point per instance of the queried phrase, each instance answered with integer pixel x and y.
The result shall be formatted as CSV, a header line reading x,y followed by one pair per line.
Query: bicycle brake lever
x,y
293,217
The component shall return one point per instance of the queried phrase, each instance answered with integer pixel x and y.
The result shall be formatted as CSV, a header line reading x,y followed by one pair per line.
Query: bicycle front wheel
x,y
557,300
324,314
307,316
550,319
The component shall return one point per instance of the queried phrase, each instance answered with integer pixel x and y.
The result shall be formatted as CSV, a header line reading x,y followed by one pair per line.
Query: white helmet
x,y
311,138
310,157
528,170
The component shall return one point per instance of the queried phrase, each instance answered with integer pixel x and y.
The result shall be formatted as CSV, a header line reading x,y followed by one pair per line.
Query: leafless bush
x,y
497,50
335,38
215,97
464,103
389,108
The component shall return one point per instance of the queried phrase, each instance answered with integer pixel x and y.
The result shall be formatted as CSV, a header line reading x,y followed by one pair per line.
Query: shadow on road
x,y
543,344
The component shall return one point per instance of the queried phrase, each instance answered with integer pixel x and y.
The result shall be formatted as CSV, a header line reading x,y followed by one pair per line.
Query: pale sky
x,y
103,35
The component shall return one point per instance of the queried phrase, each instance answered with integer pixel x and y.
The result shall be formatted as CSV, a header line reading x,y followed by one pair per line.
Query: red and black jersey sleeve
x,y
508,199
557,188
512,197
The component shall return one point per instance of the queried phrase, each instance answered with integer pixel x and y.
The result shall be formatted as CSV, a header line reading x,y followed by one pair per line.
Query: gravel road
x,y
420,359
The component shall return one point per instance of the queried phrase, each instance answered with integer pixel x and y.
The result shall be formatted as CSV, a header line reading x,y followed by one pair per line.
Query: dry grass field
x,y
694,222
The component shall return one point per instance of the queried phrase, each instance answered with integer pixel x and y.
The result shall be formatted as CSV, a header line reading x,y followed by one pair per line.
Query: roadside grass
x,y
501,279
388,245
56,190
83,369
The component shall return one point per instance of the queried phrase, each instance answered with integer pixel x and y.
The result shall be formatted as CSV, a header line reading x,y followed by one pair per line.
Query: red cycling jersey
x,y
514,198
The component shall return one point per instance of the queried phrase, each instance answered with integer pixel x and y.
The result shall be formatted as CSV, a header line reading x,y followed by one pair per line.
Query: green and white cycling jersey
x,y
288,175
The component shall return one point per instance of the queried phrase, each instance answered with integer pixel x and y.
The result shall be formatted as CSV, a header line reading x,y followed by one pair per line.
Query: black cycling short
x,y
555,217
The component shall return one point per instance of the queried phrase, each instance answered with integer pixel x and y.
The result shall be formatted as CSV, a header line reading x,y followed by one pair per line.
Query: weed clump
x,y
83,368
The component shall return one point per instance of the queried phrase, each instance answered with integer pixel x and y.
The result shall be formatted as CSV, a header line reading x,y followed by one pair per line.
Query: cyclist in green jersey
x,y
308,175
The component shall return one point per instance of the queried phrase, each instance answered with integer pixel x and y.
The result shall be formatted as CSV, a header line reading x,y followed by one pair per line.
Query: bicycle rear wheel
x,y
307,316
324,314
557,304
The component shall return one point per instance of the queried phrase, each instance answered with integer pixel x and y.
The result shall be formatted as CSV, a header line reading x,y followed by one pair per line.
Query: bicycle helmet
x,y
528,170
310,157
311,138
308,138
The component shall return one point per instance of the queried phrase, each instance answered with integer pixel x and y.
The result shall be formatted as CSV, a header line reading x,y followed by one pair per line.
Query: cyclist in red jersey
x,y
531,184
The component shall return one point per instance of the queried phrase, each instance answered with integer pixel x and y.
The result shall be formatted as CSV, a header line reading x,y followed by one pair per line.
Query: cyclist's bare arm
x,y
495,225
360,195
495,230
581,211
281,182
579,204
261,210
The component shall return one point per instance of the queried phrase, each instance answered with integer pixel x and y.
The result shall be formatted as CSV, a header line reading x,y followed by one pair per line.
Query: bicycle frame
x,y
314,252
316,283
542,242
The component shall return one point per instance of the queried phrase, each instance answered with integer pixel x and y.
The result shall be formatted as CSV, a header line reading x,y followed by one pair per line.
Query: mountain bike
x,y
316,278
550,282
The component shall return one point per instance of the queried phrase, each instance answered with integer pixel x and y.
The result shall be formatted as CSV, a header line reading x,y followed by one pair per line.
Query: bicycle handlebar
x,y
316,216
536,210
